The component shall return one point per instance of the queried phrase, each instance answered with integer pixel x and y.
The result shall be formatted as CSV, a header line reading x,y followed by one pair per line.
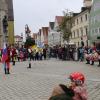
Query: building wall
x,y
6,8
95,21
50,38
11,32
3,12
42,37
10,21
56,35
87,3
80,28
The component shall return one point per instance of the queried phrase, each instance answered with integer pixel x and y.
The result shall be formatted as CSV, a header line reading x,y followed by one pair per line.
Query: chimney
x,y
87,3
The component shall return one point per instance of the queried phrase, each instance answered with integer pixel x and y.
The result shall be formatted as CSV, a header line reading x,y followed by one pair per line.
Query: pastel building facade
x,y
80,27
94,33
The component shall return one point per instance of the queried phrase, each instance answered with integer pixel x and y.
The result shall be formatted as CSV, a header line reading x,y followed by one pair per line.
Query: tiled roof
x,y
17,36
59,19
45,30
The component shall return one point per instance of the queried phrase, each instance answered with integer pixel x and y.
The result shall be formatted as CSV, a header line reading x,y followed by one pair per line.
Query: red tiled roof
x,y
59,19
45,30
17,36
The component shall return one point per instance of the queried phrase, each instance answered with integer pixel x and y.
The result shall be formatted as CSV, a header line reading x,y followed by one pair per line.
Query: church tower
x,y
10,21
87,3
3,12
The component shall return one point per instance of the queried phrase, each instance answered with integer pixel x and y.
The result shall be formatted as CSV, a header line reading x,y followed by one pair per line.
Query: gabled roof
x,y
45,30
59,19
17,36
51,25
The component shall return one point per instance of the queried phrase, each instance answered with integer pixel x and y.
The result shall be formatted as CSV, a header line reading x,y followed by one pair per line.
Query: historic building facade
x,y
3,12
6,8
80,27
10,21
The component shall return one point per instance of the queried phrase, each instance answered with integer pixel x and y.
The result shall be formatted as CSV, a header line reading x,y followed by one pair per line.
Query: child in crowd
x,y
76,90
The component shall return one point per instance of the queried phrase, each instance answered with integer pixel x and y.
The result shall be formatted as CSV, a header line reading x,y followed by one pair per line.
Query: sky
x,y
38,13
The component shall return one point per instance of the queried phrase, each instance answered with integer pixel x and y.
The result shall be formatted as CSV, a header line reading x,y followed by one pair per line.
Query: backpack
x,y
68,95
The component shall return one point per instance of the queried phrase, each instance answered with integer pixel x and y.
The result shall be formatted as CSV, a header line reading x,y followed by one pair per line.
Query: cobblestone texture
x,y
37,83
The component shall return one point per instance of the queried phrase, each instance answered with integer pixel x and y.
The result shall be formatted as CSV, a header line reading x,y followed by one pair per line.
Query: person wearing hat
x,y
76,90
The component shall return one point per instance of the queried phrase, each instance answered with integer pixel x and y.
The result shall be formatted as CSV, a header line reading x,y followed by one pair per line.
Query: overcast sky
x,y
38,13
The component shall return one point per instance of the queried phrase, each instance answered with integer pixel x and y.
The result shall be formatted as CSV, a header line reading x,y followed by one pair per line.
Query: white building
x,y
57,36
50,34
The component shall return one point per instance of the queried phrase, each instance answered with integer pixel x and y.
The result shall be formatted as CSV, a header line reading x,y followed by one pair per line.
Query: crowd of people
x,y
90,53
63,52
68,52
76,90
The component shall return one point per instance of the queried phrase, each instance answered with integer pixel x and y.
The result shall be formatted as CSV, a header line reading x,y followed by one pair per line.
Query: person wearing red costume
x,y
13,54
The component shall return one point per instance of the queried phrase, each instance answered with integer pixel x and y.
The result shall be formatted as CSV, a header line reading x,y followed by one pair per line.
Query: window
x,y
71,36
74,34
96,30
86,17
86,31
77,21
99,30
92,31
81,19
81,32
77,33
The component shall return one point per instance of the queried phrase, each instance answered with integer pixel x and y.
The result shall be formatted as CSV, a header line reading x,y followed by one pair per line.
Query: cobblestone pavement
x,y
37,83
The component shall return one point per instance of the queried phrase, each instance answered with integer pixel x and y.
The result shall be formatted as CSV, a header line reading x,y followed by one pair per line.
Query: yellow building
x,y
10,21
11,32
6,8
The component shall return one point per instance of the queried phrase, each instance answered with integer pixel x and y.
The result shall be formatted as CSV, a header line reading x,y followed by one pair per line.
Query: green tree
x,y
65,26
29,42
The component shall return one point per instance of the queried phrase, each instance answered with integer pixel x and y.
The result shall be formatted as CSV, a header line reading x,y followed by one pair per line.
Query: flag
x,y
4,53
